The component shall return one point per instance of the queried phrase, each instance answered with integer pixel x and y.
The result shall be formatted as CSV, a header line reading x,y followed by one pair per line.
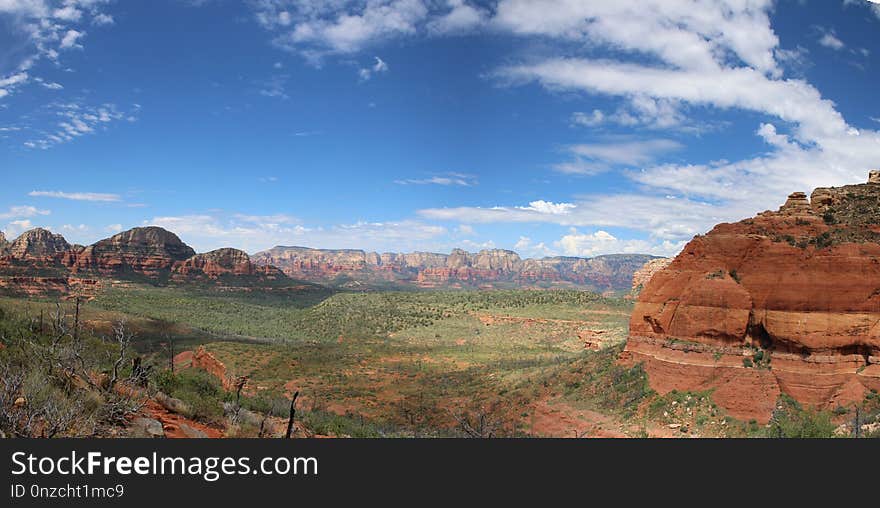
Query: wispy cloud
x,y
275,87
455,179
829,39
253,233
594,158
78,119
365,73
77,196
22,211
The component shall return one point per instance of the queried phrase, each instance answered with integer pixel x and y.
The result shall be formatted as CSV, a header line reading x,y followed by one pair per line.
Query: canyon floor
x,y
403,364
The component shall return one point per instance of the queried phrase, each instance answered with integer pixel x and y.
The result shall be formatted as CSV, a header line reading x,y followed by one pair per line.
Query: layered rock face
x,y
38,244
426,269
785,302
39,262
150,251
222,263
4,245
646,273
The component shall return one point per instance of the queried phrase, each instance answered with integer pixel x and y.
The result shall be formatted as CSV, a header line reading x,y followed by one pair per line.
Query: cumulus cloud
x,y
318,28
602,242
254,232
721,55
460,18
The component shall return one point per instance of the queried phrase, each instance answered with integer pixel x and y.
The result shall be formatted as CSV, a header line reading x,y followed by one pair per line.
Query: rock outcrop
x,y
39,262
227,264
785,302
4,245
487,268
38,244
646,273
150,252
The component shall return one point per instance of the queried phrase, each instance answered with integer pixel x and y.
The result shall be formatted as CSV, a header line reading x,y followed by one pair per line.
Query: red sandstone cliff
x,y
36,244
223,264
150,252
785,302
644,274
425,269
39,262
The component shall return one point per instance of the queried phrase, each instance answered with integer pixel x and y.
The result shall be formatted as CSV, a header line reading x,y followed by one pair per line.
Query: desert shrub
x,y
791,420
46,372
201,392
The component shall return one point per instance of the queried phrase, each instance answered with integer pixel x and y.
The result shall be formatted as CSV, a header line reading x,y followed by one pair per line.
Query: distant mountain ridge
x,y
459,268
152,254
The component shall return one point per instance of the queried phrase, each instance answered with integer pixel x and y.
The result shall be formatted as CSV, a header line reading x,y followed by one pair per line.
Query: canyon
x,y
41,262
787,302
485,269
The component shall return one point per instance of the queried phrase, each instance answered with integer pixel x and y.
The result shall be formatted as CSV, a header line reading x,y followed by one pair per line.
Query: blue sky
x,y
548,127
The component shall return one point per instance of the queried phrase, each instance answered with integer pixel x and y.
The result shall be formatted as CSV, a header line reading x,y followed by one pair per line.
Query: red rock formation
x,y
150,251
484,268
38,244
785,302
645,273
202,359
230,264
39,286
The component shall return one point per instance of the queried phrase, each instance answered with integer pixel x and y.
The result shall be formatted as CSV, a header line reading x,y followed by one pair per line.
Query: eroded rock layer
x,y
785,302
223,264
490,267
39,262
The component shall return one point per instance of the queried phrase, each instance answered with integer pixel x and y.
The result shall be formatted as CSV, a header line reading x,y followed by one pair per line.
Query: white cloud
x,y
830,40
69,39
67,13
253,233
77,196
365,73
41,29
318,28
78,119
447,179
874,5
275,87
465,229
527,249
594,158
9,83
601,242
22,211
686,34
17,227
628,153
103,20
549,208
721,55
460,18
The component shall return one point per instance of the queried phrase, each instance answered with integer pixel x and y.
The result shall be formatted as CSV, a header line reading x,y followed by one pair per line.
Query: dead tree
x,y
123,339
239,385
171,351
292,414
479,424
